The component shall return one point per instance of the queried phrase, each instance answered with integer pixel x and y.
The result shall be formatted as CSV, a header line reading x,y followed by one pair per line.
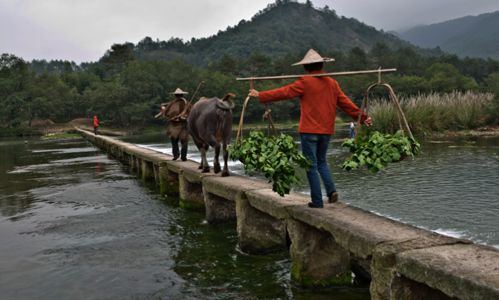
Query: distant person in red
x,y
96,124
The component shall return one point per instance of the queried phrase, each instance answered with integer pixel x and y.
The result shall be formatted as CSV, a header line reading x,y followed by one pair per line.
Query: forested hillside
x,y
476,36
282,28
126,86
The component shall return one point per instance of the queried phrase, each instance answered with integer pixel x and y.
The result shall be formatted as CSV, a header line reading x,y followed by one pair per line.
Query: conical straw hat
x,y
312,57
179,92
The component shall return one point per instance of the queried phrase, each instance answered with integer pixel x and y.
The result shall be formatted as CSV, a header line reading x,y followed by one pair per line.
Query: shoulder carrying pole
x,y
378,71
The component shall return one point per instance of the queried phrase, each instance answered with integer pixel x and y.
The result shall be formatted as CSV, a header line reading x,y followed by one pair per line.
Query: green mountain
x,y
283,28
473,36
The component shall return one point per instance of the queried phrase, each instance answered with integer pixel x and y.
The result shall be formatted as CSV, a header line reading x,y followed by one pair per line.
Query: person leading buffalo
x,y
319,98
176,113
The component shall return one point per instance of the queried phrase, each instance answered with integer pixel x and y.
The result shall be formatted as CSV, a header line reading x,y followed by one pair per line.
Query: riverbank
x,y
58,129
62,129
479,132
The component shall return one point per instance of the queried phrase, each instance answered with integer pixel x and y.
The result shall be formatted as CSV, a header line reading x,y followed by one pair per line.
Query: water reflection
x,y
209,261
75,224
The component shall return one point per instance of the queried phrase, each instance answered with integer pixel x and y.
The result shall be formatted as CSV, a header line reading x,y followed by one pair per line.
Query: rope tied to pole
x,y
239,134
402,120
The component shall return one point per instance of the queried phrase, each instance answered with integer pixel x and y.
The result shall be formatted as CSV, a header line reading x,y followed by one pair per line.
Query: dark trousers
x,y
95,130
175,149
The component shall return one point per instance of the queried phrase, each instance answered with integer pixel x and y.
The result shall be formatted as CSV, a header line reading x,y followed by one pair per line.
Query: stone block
x,y
191,187
230,187
147,171
168,181
271,203
461,271
356,230
317,260
258,231
218,209
383,272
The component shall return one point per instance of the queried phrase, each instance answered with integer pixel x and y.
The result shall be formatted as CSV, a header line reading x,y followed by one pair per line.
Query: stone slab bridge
x,y
330,246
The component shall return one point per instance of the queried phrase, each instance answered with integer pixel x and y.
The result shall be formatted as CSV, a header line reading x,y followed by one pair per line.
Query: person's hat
x,y
179,92
312,57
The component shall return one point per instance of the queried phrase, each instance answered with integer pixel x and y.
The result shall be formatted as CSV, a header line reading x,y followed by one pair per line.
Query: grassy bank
x,y
428,115
434,113
19,132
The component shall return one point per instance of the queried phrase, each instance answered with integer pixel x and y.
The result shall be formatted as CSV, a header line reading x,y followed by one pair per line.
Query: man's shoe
x,y
175,157
310,204
332,197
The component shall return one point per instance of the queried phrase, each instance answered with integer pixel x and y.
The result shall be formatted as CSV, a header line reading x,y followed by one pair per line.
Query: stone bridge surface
x,y
330,246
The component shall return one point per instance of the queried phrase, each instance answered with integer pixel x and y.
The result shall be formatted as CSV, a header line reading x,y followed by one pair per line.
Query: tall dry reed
x,y
434,112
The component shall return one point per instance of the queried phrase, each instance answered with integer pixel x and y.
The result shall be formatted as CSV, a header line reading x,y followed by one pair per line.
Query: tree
x,y
258,64
14,77
107,99
446,78
227,64
10,61
357,59
381,55
116,59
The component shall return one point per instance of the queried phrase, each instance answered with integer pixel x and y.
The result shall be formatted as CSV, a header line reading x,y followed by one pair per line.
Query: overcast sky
x,y
82,30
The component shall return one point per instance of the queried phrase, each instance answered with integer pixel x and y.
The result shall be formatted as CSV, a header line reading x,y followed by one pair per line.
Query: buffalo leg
x,y
204,161
216,162
225,172
199,146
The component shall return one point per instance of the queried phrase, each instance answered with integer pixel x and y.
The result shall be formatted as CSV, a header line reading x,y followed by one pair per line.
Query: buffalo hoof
x,y
225,173
217,169
200,167
206,170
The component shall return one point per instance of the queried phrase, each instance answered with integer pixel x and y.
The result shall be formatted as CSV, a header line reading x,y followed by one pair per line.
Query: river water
x,y
75,224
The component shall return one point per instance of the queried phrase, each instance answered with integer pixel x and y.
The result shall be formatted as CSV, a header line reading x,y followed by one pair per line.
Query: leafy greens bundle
x,y
376,150
274,156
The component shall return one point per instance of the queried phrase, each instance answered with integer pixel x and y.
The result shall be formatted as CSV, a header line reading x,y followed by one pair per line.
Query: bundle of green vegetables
x,y
376,150
273,156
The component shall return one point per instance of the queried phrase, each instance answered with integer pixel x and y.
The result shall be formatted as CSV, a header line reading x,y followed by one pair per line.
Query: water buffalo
x,y
210,124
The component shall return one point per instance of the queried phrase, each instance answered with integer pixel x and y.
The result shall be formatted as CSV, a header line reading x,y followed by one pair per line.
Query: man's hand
x,y
368,121
253,93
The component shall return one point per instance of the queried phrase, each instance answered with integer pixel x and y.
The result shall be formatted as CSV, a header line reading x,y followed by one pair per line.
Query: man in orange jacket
x,y
319,97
